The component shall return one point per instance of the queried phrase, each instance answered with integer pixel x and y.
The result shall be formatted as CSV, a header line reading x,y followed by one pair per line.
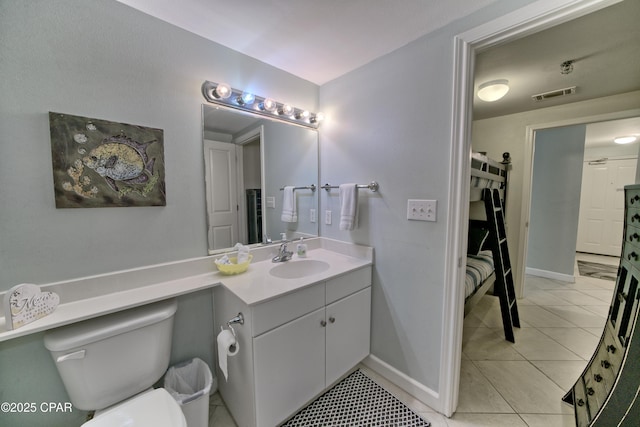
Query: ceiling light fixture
x,y
223,94
625,139
493,90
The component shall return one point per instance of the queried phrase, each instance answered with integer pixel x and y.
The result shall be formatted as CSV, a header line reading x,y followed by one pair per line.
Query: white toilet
x,y
108,364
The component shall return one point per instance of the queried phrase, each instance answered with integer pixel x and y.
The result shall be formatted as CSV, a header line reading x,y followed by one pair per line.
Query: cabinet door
x,y
348,333
289,367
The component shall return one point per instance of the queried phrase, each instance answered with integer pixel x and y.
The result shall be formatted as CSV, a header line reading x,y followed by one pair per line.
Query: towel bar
x,y
373,186
311,187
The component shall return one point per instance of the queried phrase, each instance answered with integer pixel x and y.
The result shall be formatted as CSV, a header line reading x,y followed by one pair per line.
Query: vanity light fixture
x,y
223,94
493,90
625,139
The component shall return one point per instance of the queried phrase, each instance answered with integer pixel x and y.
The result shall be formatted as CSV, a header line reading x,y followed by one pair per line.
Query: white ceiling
x,y
605,46
322,40
317,40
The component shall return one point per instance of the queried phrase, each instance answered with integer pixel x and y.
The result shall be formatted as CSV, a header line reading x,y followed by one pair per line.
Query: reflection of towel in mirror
x,y
348,206
289,209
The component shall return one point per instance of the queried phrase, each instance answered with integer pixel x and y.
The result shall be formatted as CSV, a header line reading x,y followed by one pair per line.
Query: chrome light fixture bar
x,y
223,94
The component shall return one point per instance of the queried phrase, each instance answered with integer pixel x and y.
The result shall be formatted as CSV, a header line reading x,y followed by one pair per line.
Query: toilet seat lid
x,y
155,408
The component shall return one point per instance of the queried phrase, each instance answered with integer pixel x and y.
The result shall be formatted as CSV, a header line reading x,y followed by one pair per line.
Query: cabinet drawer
x,y
631,254
580,404
281,310
633,198
632,235
347,284
611,351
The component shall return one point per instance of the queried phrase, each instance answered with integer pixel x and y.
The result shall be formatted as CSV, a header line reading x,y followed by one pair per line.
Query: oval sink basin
x,y
299,268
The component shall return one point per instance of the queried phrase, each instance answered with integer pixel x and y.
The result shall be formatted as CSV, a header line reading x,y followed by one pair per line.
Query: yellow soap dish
x,y
233,268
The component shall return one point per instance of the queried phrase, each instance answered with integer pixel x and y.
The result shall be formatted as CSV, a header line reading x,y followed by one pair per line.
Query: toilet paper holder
x,y
237,319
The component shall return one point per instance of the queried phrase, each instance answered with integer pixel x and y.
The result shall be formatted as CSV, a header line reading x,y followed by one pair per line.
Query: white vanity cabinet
x,y
297,346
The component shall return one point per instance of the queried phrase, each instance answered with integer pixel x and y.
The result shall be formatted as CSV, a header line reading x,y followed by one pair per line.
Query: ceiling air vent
x,y
554,93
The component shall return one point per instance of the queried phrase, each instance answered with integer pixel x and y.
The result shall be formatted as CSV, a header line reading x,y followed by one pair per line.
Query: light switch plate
x,y
327,217
271,202
421,210
312,215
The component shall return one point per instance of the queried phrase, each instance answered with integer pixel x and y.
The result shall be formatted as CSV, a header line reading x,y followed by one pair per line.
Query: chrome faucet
x,y
283,254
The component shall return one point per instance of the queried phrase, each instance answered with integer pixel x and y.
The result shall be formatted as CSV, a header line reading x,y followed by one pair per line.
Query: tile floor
x,y
521,384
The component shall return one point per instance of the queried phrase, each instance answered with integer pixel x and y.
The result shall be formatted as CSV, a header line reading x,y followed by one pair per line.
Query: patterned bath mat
x,y
356,401
597,270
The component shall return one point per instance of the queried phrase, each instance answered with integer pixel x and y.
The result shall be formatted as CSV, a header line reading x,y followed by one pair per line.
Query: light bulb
x,y
285,110
223,91
317,118
246,98
303,114
268,105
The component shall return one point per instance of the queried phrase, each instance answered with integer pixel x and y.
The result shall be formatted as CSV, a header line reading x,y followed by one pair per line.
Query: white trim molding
x,y
569,278
421,392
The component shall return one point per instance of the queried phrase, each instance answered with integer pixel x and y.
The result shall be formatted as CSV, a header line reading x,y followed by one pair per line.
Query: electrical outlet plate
x,y
312,215
421,210
327,217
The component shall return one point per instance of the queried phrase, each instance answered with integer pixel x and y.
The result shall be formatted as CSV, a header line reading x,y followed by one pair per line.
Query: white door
x,y
289,367
221,187
600,225
348,331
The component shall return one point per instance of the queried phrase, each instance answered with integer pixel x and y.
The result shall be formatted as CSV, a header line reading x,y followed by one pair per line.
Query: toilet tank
x,y
105,360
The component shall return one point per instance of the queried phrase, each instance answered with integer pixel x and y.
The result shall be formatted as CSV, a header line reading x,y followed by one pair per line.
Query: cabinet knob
x,y
591,391
635,217
611,348
597,377
332,319
634,199
323,323
634,236
633,256
580,402
605,364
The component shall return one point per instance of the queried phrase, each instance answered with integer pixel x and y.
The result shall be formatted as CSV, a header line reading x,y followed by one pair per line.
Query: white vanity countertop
x,y
257,285
94,296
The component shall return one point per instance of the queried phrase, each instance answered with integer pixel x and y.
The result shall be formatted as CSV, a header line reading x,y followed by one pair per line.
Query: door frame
x,y
529,19
239,142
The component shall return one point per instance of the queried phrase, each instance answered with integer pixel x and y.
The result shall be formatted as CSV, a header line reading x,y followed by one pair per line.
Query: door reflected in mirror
x,y
248,160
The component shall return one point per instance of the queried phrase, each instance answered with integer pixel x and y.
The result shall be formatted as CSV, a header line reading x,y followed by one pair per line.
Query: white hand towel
x,y
289,209
348,206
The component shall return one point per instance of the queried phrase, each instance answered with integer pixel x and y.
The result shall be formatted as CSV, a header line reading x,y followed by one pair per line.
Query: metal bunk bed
x,y
488,262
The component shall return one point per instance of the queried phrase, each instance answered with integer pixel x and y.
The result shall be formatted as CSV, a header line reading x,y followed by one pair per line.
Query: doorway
x,y
527,20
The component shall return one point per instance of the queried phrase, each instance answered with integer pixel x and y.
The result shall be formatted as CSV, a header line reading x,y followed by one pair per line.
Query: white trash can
x,y
190,383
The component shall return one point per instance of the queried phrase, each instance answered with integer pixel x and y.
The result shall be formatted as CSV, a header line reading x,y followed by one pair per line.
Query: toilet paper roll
x,y
227,346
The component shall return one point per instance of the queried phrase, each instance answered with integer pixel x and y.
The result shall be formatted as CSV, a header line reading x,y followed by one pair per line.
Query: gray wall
x,y
555,199
105,60
404,142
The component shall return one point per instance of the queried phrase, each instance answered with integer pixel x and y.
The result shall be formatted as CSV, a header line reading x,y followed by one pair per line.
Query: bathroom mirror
x,y
244,197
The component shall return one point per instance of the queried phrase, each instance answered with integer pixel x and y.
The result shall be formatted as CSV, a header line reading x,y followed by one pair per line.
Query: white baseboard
x,y
402,380
570,278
